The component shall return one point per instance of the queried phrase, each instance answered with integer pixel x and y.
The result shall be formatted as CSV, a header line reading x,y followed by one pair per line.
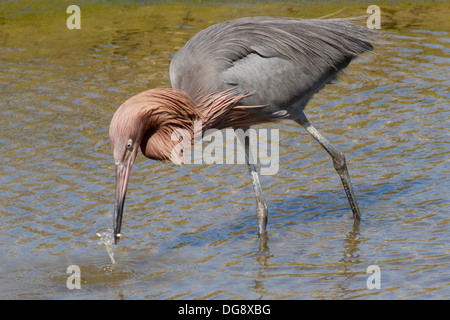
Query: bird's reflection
x,y
350,257
262,258
263,240
351,245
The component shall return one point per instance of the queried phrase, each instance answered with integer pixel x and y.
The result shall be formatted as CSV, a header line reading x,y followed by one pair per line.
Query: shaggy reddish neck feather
x,y
151,117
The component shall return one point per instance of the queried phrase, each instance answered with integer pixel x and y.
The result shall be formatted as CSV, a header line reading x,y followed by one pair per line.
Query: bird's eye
x,y
130,144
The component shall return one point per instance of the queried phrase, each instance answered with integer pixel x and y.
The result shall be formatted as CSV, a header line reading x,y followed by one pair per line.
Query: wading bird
x,y
236,74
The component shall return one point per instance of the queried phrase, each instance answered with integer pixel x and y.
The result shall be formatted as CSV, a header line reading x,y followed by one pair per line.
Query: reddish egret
x,y
236,74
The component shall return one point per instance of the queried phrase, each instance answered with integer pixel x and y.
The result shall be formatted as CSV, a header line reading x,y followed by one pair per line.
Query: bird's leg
x,y
338,162
261,207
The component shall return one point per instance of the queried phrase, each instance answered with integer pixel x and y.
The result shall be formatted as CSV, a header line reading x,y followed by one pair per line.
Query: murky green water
x,y
190,232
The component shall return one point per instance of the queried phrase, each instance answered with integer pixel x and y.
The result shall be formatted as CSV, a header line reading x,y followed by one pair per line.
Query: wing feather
x,y
276,62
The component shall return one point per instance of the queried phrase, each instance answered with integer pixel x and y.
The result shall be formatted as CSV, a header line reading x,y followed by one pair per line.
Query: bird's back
x,y
278,62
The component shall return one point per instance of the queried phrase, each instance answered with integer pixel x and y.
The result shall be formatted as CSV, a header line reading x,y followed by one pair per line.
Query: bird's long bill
x,y
123,170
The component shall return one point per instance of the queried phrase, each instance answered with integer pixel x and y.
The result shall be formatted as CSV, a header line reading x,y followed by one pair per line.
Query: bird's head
x,y
145,120
125,132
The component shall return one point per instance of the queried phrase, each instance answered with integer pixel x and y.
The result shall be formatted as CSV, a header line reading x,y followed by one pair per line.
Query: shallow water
x,y
190,232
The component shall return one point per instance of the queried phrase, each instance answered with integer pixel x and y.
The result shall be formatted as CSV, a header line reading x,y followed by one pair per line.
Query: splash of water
x,y
107,239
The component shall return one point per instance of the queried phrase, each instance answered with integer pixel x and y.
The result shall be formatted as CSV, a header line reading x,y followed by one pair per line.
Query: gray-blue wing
x,y
278,62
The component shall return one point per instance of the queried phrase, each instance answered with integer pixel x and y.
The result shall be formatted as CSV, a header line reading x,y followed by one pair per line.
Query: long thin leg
x,y
261,207
338,162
